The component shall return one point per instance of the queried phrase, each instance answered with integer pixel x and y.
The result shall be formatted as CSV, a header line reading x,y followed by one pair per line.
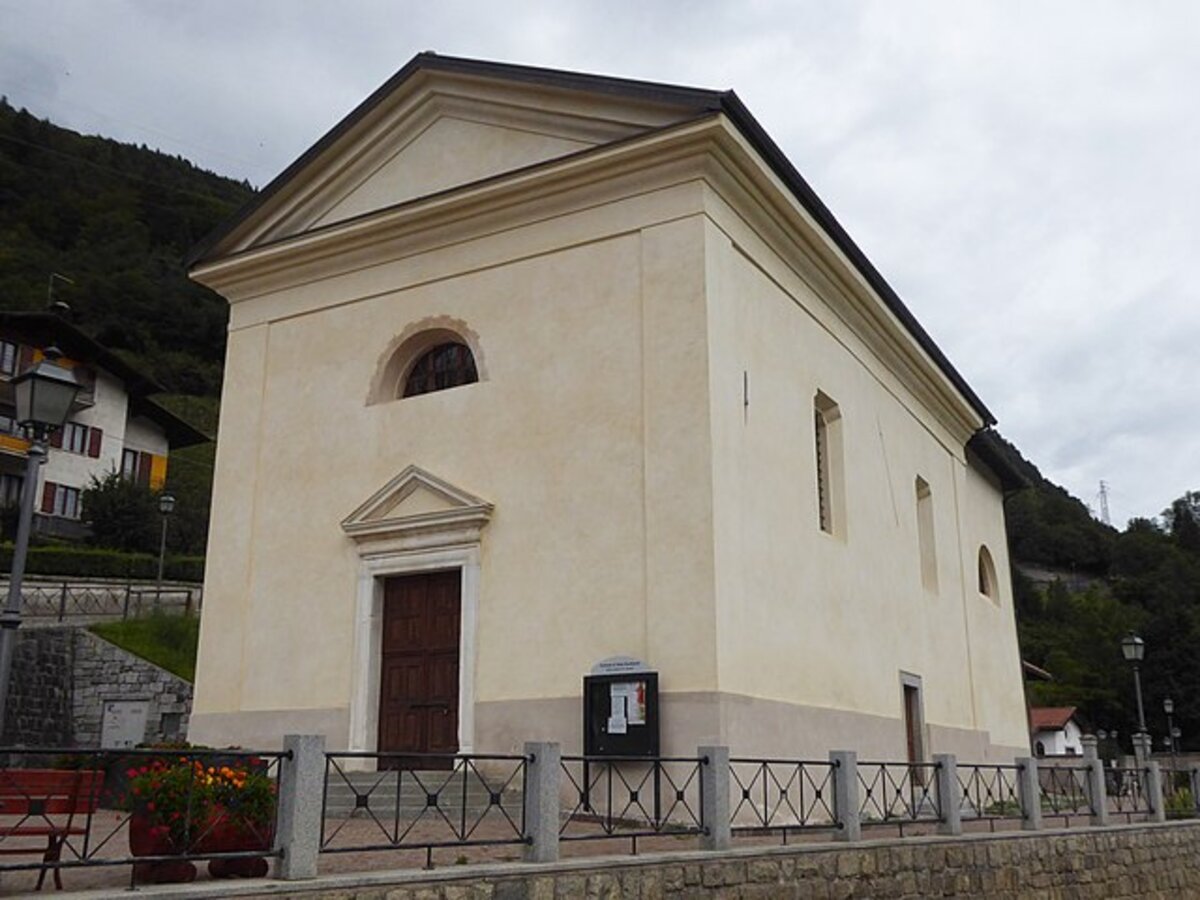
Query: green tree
x,y
123,514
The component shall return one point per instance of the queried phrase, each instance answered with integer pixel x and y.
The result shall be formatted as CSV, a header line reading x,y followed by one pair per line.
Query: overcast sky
x,y
1026,175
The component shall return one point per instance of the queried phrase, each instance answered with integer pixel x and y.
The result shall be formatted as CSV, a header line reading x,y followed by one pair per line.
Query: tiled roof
x,y
1050,718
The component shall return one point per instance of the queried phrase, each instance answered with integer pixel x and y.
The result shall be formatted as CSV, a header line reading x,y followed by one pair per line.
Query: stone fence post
x,y
949,793
714,798
1097,785
845,795
543,774
1155,796
1029,789
1194,783
301,797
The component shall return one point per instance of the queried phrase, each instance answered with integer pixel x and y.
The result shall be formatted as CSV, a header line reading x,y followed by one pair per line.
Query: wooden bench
x,y
43,803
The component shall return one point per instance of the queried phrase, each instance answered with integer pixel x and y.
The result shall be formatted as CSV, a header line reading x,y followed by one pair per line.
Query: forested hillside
x,y
1145,578
117,220
113,222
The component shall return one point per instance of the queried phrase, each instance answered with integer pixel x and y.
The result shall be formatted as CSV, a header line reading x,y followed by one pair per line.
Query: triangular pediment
x,y
443,123
416,501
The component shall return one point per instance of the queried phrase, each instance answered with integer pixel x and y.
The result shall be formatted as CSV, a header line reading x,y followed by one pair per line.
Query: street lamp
x,y
166,506
1134,650
1169,709
43,394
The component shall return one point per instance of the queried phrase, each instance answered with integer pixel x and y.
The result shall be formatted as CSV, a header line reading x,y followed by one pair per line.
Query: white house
x,y
114,424
1055,731
528,369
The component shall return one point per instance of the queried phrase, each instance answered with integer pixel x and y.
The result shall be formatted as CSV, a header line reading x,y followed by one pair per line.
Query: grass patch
x,y
167,641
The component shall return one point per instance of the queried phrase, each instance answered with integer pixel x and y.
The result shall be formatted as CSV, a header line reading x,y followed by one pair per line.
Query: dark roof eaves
x,y
179,432
986,446
63,332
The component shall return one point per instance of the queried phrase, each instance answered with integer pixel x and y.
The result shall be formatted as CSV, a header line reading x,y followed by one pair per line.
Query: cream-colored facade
x,y
654,310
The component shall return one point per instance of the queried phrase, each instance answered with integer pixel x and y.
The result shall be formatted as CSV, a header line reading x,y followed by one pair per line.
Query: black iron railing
x,y
782,796
632,797
45,602
422,801
898,793
989,793
1179,801
1128,794
1065,792
68,808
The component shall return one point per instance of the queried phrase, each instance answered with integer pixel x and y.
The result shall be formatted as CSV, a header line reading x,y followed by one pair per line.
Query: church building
x,y
530,369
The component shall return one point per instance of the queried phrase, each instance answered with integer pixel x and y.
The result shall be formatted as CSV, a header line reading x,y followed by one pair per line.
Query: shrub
x,y
89,562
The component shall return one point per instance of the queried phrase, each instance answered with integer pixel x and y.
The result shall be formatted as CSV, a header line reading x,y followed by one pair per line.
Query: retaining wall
x,y
1142,861
61,678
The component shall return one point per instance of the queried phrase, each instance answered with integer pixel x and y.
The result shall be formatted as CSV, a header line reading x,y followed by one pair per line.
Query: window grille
x,y
445,366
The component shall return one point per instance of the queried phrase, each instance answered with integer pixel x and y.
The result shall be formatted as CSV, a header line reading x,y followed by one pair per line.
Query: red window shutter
x,y
48,490
143,469
56,438
94,436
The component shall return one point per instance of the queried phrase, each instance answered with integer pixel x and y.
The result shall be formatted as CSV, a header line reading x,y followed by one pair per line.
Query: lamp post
x,y
1134,650
1169,709
43,393
166,506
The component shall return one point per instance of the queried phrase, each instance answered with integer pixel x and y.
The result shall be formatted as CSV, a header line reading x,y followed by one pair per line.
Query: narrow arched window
x,y
444,366
987,574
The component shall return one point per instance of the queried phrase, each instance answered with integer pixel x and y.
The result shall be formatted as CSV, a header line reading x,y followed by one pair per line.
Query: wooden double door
x,y
418,685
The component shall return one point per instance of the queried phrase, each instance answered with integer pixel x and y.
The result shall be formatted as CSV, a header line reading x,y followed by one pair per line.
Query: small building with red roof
x,y
1055,731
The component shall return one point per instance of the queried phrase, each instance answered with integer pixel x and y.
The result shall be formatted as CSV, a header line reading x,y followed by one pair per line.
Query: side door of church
x,y
418,685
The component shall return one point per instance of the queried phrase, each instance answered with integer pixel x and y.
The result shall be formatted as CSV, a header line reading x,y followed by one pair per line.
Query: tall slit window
x,y
445,366
925,539
827,449
987,575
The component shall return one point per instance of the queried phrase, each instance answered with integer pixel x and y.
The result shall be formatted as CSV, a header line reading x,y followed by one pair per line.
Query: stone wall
x,y
1142,861
38,713
104,671
62,677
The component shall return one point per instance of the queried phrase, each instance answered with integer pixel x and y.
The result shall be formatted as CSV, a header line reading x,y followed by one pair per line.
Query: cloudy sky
x,y
1026,174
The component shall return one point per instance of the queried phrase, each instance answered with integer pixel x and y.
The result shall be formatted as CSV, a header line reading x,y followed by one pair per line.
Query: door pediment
x,y
417,510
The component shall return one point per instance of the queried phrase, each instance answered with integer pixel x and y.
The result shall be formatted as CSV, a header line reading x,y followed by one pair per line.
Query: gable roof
x,y
693,103
54,329
1050,718
51,328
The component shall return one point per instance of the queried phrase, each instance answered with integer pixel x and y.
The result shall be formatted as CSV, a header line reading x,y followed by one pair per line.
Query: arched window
x,y
1040,749
987,574
447,365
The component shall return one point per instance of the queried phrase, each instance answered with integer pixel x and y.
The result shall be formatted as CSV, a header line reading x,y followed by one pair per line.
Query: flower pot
x,y
226,832
149,839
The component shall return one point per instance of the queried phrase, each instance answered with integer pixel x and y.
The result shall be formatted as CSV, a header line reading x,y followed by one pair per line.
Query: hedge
x,y
90,562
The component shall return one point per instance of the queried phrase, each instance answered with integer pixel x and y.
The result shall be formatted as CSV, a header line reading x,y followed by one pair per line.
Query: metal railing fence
x,y
782,796
898,793
422,801
990,793
1066,792
631,797
46,602
1179,799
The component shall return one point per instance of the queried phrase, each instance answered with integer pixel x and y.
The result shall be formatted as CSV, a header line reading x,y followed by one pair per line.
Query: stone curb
x,y
402,878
